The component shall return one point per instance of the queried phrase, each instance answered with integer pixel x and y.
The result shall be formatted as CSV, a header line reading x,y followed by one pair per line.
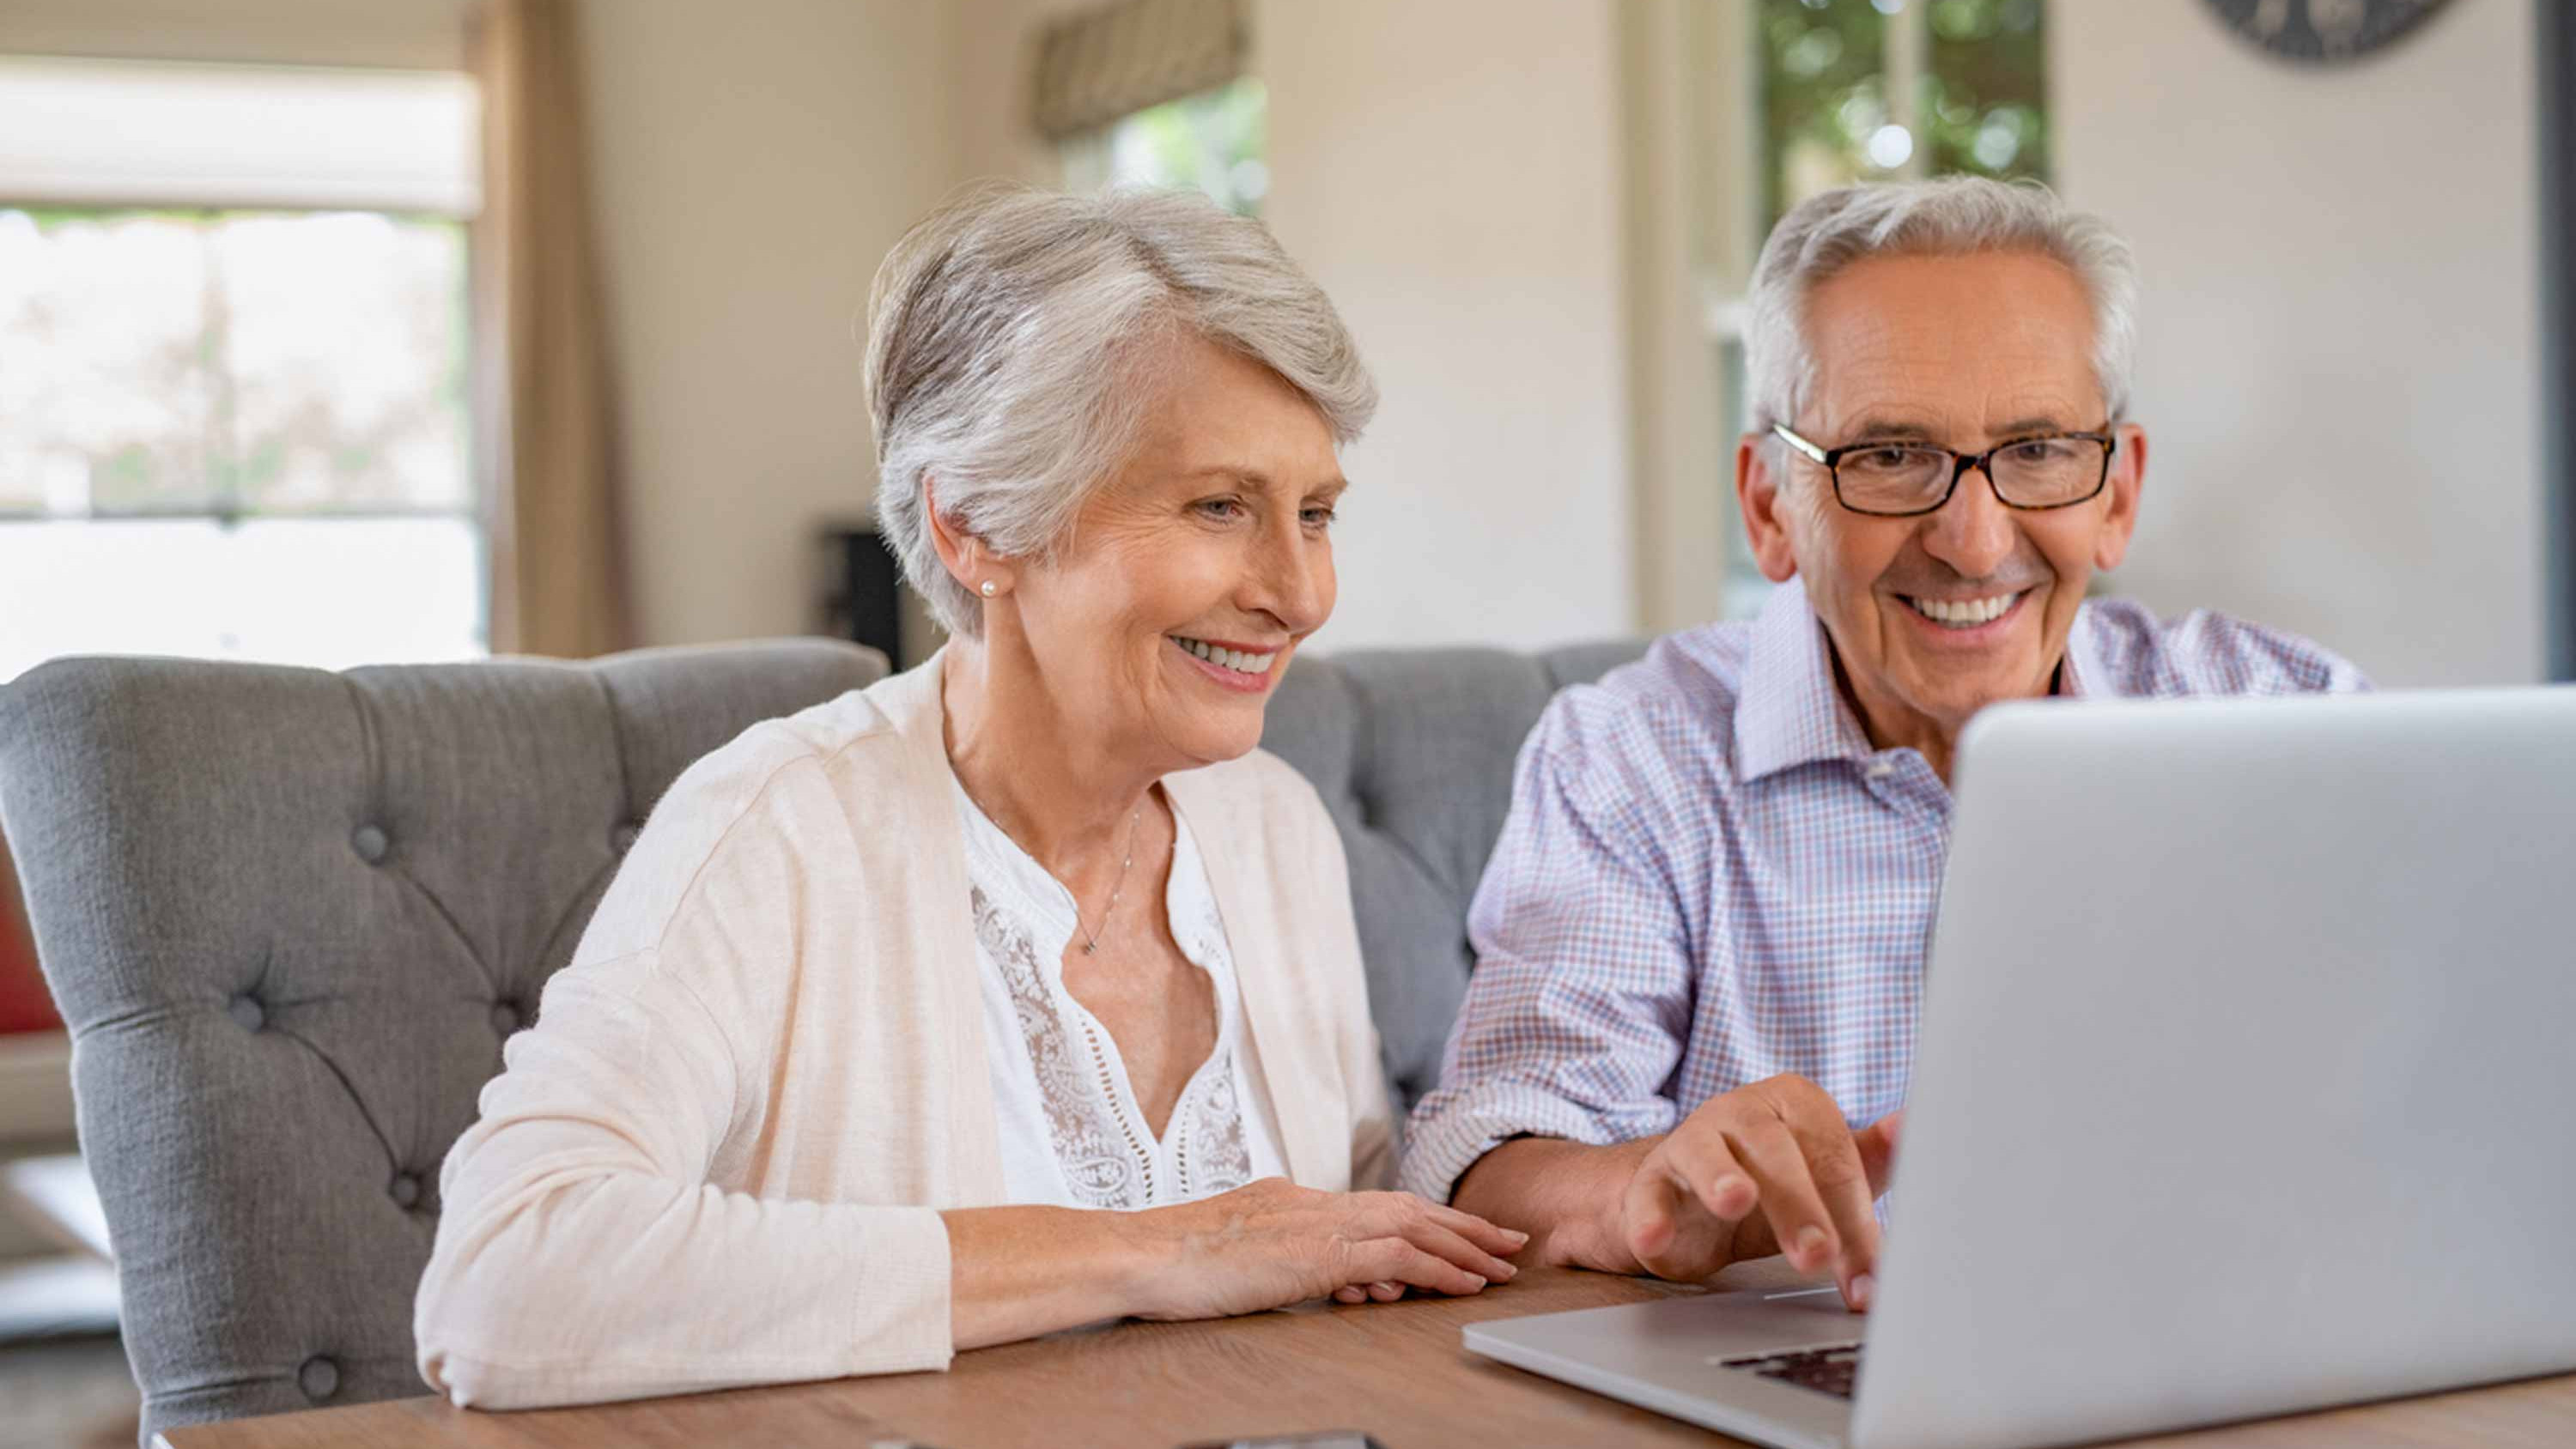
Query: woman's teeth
x,y
1234,659
1964,613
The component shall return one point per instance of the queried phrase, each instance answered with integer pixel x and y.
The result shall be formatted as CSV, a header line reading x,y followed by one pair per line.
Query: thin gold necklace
x,y
1090,938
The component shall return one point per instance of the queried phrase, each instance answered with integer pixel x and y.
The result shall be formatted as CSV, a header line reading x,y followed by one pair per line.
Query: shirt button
x,y
1881,769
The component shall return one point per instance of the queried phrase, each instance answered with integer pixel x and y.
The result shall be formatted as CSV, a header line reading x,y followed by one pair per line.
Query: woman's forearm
x,y
622,1285
1018,1272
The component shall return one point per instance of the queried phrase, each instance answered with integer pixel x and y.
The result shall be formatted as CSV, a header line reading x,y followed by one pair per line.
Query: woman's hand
x,y
1273,1243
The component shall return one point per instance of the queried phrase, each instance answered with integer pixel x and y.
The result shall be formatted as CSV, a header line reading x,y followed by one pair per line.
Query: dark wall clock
x,y
2322,32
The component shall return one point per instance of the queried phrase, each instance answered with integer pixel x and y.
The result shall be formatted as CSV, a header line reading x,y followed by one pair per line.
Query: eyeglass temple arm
x,y
1799,443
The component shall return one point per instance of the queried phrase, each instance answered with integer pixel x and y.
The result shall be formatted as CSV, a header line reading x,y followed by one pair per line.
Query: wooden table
x,y
1396,1370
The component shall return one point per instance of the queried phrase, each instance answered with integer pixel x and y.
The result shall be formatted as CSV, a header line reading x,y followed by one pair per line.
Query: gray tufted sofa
x,y
289,916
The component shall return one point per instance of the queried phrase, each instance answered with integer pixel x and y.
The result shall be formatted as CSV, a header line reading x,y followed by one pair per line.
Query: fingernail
x,y
1516,1235
1863,1289
1507,1270
1811,1244
1476,1278
1730,1183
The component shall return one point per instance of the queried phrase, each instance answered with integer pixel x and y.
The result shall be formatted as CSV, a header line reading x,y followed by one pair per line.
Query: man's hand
x,y
1767,1168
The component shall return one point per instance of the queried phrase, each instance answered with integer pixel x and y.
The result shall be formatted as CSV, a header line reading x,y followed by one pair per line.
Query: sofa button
x,y
405,1190
246,1012
622,839
319,1378
369,842
505,1018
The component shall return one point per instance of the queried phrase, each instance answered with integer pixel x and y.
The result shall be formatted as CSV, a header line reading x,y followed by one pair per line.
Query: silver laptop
x,y
2245,1085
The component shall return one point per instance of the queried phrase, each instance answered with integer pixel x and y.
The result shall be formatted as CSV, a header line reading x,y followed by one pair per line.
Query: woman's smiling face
x,y
1190,576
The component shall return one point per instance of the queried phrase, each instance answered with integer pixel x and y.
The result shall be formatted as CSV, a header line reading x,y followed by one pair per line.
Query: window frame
x,y
457,204
1726,306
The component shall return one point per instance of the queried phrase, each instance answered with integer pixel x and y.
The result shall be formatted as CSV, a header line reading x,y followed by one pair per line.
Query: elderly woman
x,y
1019,991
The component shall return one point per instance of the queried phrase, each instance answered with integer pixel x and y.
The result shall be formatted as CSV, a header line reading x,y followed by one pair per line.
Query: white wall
x,y
995,57
2339,371
752,162
1449,170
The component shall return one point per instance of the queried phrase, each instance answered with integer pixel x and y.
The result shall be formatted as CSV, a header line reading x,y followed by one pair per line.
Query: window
x,y
1856,90
1867,90
1211,141
1155,93
233,364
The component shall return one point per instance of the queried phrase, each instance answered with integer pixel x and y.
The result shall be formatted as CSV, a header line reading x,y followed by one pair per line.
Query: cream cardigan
x,y
718,1157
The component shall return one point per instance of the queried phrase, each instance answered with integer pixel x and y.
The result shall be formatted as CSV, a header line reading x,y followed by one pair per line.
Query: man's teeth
x,y
1964,613
1234,659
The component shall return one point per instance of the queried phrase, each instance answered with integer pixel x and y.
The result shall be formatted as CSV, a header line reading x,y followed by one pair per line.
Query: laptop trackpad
x,y
1676,1355
1689,1335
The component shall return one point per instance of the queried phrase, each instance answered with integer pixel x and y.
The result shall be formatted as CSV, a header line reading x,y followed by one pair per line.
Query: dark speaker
x,y
865,602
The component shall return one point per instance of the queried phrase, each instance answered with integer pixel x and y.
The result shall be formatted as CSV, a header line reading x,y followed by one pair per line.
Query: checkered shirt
x,y
1709,877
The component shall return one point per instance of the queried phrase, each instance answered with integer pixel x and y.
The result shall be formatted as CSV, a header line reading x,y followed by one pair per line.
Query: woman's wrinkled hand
x,y
1272,1243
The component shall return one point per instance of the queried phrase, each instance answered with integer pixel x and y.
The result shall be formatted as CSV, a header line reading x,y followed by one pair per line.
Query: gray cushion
x,y
288,916
1412,751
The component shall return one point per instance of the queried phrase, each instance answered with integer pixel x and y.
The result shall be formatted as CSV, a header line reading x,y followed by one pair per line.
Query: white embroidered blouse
x,y
1072,1132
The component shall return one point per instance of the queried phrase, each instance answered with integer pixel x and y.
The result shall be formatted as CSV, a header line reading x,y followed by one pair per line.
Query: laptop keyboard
x,y
1826,1370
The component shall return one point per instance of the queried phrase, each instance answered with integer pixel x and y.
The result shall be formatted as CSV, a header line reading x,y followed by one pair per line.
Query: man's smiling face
x,y
1934,617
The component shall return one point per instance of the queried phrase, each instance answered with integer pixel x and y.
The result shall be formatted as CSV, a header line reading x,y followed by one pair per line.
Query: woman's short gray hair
x,y
1013,340
1949,216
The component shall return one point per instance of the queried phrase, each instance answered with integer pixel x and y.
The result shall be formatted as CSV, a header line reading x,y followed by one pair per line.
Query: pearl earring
x,y
990,588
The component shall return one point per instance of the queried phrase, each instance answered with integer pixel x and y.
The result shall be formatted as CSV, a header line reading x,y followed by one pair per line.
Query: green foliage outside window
x,y
1822,96
1984,102
1213,142
1981,97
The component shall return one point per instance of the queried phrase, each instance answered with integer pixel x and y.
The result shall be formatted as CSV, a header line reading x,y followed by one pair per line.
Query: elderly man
x,y
1700,943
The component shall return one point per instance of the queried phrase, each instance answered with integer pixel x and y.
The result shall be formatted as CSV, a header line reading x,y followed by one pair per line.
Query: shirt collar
x,y
1792,713
2081,673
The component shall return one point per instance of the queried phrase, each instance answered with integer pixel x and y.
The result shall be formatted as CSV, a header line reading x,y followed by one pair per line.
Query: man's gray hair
x,y
1946,217
1015,341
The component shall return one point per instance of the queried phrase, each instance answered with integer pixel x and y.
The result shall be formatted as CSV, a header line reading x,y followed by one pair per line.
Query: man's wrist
x,y
1597,1237
1568,1196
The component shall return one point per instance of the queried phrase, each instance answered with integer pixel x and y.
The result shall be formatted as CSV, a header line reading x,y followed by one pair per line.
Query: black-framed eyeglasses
x,y
1902,480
